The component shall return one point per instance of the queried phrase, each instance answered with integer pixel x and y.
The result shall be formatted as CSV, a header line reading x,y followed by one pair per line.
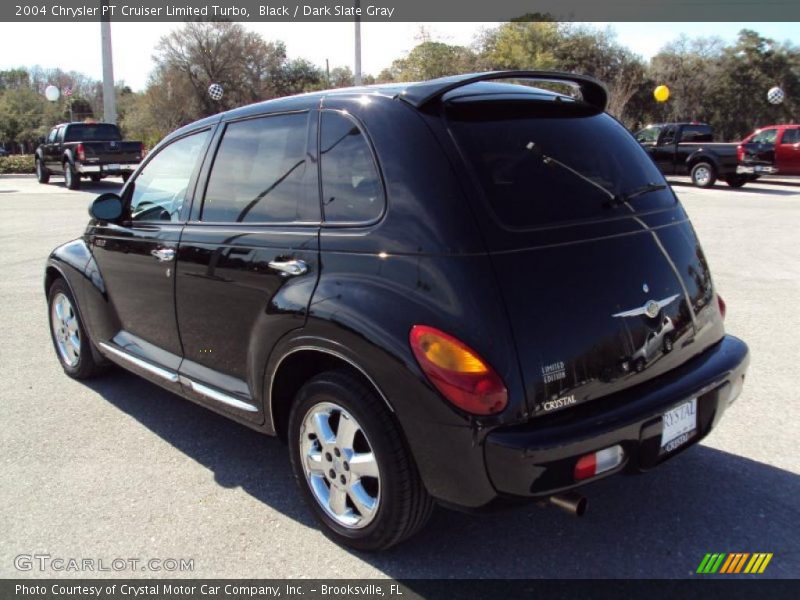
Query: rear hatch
x,y
604,280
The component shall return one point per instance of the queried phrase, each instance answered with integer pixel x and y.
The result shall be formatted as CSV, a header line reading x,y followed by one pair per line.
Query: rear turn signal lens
x,y
458,372
598,462
722,307
81,152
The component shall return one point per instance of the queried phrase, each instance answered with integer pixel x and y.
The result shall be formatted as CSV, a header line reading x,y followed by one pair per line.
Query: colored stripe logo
x,y
734,562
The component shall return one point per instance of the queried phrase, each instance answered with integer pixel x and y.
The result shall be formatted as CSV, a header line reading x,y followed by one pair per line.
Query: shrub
x,y
17,163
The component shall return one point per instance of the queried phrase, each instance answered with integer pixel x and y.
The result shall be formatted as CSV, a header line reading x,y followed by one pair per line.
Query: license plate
x,y
679,424
760,169
112,167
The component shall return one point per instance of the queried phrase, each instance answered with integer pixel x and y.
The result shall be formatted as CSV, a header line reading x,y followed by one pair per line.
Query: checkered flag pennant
x,y
68,91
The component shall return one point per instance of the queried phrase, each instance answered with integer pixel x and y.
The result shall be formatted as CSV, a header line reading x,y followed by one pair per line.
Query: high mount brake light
x,y
458,372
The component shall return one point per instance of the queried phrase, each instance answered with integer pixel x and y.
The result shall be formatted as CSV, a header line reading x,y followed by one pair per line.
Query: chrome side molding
x,y
217,396
161,372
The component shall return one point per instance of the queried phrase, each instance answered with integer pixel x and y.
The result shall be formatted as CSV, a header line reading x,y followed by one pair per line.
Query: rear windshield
x,y
542,163
93,132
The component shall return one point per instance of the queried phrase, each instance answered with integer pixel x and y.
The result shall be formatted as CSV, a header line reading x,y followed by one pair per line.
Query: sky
x,y
133,43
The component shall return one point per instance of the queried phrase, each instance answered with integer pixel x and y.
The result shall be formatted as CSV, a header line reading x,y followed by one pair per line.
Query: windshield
x,y
94,132
541,164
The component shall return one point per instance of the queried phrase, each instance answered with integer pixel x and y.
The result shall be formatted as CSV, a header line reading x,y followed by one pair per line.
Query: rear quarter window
x,y
541,164
352,190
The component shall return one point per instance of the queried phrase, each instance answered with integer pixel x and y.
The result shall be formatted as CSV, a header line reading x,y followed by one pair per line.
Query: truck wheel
x,y
737,181
71,179
352,466
42,174
704,175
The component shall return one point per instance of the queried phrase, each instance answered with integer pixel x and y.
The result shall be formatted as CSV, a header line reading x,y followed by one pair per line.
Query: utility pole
x,y
109,93
357,74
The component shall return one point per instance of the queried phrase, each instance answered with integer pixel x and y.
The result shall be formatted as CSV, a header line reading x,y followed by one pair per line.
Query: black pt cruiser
x,y
457,292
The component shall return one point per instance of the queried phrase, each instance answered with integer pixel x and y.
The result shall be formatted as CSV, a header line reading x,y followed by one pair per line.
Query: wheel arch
x,y
703,156
294,367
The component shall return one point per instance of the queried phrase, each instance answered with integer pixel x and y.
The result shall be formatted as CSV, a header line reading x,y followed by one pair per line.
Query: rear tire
x,y
71,178
42,174
70,340
737,181
375,511
704,175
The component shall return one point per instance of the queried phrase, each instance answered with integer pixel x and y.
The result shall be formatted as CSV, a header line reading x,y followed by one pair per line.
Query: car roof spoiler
x,y
419,94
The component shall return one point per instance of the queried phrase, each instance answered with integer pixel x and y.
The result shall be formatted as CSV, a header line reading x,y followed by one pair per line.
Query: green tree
x,y
429,60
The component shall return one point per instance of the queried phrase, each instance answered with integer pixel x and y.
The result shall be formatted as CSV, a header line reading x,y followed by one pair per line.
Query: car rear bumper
x,y
115,169
756,169
538,458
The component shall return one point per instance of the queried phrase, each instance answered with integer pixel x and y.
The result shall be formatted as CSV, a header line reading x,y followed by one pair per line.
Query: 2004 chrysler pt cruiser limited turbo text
x,y
460,291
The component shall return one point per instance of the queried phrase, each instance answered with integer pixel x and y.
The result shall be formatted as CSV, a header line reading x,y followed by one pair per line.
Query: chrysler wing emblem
x,y
651,308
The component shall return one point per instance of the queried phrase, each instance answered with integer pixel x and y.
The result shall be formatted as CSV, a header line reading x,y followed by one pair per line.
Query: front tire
x,y
70,340
704,175
351,464
71,178
42,174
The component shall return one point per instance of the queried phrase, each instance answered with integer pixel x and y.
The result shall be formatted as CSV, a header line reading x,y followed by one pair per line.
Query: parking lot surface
x,y
118,468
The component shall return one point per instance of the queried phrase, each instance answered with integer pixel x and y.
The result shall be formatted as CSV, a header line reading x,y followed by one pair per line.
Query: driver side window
x,y
158,192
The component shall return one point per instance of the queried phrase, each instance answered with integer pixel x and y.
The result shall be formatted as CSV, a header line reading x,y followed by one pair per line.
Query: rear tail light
x,y
458,372
722,307
80,152
598,462
739,153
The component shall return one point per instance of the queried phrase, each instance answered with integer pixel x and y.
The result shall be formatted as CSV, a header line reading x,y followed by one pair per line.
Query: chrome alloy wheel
x,y
339,465
702,175
64,322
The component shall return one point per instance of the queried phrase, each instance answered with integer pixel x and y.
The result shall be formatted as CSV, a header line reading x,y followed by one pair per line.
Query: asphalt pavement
x,y
118,468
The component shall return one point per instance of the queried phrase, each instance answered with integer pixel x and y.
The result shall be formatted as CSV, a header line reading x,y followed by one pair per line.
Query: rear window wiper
x,y
548,160
640,191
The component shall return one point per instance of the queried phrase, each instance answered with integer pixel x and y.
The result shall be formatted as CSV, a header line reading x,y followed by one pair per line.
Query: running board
x,y
217,396
129,358
173,377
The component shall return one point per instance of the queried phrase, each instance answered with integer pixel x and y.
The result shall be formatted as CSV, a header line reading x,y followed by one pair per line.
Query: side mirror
x,y
106,207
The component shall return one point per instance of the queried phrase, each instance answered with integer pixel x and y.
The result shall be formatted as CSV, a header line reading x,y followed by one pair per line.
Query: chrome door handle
x,y
290,268
163,254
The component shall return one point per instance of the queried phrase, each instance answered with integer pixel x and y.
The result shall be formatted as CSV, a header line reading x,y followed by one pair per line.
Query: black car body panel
x,y
206,309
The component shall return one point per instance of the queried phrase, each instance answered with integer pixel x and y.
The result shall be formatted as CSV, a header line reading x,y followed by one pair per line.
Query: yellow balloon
x,y
661,93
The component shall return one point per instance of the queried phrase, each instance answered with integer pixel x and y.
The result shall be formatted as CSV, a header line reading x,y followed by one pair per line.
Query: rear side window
x,y
791,136
261,173
696,133
352,191
98,132
546,164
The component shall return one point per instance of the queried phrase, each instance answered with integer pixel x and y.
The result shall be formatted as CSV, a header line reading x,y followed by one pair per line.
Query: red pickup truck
x,y
770,150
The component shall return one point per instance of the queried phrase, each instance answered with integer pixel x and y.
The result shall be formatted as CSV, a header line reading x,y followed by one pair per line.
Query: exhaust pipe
x,y
570,502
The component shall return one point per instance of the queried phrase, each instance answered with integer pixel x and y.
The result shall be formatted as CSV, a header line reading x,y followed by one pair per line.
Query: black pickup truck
x,y
93,150
689,149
